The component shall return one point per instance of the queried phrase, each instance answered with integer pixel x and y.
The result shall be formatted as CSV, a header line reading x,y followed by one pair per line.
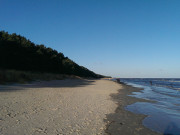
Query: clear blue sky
x,y
121,38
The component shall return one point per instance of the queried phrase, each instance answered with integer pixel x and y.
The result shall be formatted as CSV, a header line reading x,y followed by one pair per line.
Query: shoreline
x,y
123,121
71,106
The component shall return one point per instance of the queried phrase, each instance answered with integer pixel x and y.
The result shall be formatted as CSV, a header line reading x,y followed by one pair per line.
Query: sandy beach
x,y
71,106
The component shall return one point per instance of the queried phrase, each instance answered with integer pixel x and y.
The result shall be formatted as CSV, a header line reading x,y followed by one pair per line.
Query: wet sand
x,y
72,106
124,122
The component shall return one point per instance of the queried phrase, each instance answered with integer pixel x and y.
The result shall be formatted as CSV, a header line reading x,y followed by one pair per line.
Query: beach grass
x,y
15,76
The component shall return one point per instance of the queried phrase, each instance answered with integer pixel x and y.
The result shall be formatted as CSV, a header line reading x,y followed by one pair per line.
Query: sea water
x,y
163,114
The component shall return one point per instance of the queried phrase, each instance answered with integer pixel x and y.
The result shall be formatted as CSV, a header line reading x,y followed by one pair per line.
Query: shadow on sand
x,y
47,84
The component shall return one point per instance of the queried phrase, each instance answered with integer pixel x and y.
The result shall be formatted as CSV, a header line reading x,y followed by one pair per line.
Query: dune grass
x,y
14,76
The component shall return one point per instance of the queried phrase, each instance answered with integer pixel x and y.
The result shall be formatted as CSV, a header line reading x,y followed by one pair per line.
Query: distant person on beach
x,y
118,80
151,82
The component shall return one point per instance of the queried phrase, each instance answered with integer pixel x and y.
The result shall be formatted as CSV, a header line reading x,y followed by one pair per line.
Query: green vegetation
x,y
19,53
9,76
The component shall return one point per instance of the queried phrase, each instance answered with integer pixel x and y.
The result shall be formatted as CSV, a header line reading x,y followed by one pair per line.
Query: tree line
x,y
19,53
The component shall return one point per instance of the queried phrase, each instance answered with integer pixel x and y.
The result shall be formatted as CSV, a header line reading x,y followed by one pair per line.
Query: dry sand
x,y
78,107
